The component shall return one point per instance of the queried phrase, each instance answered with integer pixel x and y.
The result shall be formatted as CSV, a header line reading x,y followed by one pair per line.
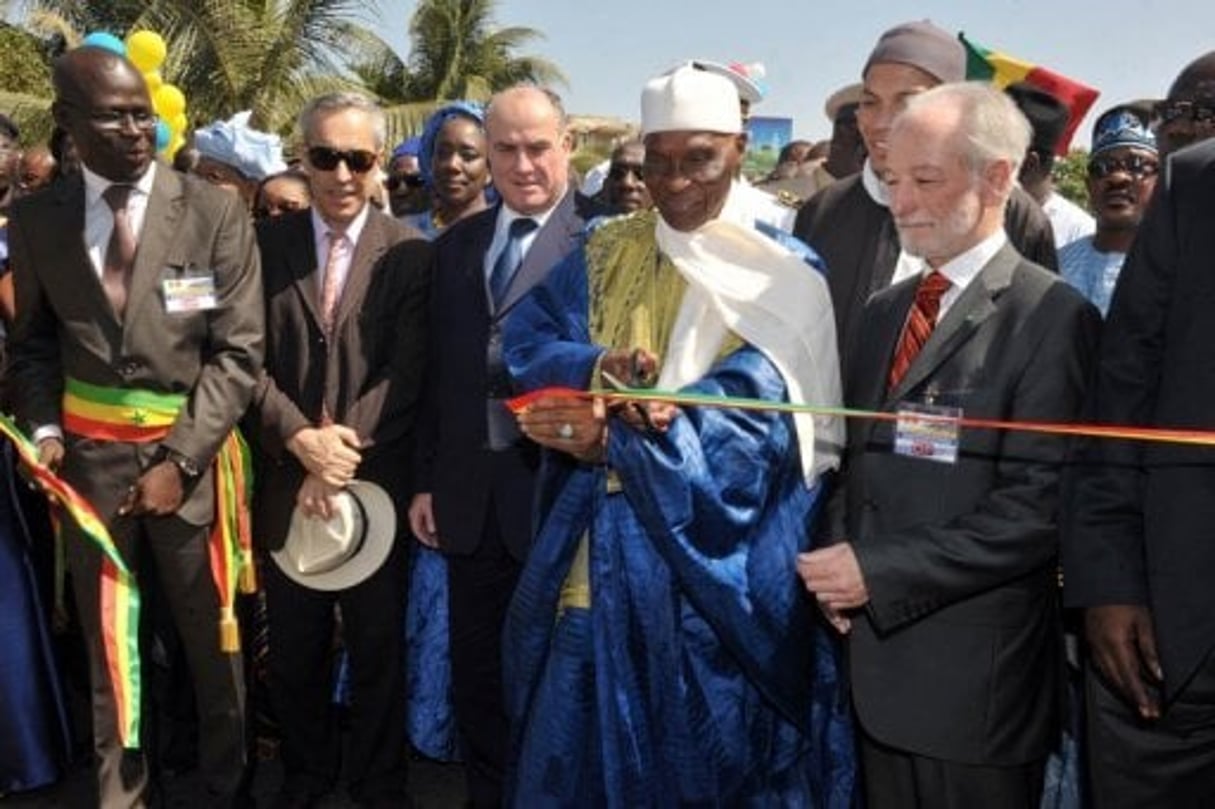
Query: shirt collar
x,y
963,269
874,186
321,228
95,185
509,214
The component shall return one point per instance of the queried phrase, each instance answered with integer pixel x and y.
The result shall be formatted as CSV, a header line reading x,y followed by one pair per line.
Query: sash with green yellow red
x,y
139,416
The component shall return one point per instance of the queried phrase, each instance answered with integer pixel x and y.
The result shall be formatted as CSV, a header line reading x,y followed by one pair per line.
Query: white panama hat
x,y
348,548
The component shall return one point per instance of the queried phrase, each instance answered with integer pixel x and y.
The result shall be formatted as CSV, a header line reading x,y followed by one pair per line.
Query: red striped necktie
x,y
921,320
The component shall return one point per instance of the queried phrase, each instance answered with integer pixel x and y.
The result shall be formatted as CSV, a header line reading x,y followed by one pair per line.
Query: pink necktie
x,y
331,290
120,252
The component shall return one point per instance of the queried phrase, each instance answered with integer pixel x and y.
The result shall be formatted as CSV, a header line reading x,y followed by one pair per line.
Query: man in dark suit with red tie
x,y
943,569
346,294
475,472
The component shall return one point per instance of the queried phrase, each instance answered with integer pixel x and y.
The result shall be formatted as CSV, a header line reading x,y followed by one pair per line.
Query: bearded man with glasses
x,y
346,289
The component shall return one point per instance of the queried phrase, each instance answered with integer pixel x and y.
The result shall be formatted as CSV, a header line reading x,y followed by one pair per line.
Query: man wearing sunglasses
x,y
1187,115
407,192
139,293
1122,172
346,328
475,471
624,187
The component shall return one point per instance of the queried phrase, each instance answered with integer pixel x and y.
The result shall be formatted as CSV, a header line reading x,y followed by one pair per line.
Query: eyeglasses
x,y
1135,165
1167,112
619,171
358,161
395,181
114,120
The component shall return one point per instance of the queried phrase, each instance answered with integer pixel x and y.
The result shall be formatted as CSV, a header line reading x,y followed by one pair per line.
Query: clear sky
x,y
1125,48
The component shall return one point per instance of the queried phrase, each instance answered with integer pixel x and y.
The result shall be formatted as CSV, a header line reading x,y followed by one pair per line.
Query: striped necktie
x,y
921,320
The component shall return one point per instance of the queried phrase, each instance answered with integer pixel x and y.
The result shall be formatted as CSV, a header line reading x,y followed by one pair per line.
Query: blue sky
x,y
1124,48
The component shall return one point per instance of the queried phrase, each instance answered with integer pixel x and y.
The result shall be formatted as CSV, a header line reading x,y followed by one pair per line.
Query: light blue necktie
x,y
509,259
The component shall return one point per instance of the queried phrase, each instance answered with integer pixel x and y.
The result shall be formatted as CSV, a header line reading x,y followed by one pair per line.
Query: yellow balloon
x,y
154,81
175,144
169,101
179,124
146,50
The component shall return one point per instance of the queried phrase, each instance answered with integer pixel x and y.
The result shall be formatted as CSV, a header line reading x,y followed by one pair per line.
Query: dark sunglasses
x,y
1169,111
395,181
619,171
326,159
1135,165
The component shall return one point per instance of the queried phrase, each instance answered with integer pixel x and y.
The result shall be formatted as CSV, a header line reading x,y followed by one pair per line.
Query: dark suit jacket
x,y
455,463
66,327
857,239
955,655
370,374
1141,516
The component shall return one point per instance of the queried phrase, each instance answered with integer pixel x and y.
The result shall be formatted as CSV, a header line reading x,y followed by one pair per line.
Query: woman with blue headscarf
x,y
454,161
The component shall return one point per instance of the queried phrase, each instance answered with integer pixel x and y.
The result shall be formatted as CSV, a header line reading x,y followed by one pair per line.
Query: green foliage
x,y
271,56
1070,174
25,85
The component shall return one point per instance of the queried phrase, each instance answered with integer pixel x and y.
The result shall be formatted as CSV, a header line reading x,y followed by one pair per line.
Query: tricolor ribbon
x,y
140,416
119,592
1155,434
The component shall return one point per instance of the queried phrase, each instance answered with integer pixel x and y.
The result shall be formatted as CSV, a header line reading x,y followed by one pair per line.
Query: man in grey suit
x,y
133,285
943,567
475,472
345,346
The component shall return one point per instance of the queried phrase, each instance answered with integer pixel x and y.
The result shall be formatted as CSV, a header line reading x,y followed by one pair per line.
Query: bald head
x,y
78,73
102,102
529,148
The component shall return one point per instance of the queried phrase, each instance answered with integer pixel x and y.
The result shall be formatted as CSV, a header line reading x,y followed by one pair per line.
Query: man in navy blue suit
x,y
475,471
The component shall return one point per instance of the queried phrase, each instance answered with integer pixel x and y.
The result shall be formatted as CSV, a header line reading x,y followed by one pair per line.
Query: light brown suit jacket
x,y
65,327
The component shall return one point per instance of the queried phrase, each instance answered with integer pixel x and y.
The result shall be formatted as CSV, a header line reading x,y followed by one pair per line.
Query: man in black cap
x,y
849,222
1048,116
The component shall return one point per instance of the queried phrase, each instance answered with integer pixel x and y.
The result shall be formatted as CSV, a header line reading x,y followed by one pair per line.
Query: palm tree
x,y
455,52
268,56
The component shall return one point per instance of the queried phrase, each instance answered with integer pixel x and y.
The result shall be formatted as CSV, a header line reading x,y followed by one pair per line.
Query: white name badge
x,y
190,293
934,438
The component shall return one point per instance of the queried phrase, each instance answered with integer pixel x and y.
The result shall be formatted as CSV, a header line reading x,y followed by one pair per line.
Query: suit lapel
x,y
302,264
373,242
476,242
160,232
976,304
552,242
77,268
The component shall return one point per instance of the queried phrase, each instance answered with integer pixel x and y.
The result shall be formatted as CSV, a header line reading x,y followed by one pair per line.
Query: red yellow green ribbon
x,y
1154,434
120,594
140,416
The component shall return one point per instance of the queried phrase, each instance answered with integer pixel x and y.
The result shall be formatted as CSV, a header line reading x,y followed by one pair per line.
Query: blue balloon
x,y
106,40
163,134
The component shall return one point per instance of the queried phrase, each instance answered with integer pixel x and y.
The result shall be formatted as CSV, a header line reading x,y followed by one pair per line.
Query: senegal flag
x,y
1002,70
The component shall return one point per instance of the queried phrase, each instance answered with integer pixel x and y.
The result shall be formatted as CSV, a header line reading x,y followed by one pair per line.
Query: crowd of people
x,y
436,450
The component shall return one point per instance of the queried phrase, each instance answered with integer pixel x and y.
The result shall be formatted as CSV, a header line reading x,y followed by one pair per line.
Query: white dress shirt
x,y
507,215
99,217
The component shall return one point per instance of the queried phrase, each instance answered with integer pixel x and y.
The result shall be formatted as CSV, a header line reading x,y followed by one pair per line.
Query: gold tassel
x,y
229,631
248,575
